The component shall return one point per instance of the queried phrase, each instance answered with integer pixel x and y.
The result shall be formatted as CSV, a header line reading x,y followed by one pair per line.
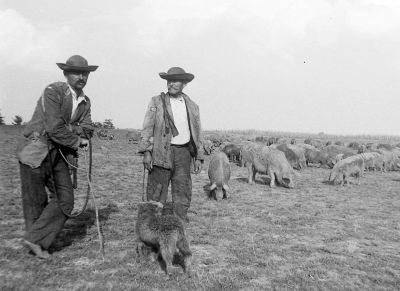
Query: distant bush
x,y
97,124
108,124
17,120
2,120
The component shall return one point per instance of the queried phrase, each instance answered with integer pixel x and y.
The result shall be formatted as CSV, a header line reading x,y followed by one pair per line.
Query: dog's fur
x,y
163,232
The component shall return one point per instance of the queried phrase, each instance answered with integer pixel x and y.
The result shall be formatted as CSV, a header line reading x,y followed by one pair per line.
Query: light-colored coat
x,y
157,139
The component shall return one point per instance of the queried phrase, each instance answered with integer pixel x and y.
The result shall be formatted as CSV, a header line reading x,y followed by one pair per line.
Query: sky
x,y
304,66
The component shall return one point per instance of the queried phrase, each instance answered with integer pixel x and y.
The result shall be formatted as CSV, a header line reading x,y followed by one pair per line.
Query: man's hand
x,y
148,161
197,166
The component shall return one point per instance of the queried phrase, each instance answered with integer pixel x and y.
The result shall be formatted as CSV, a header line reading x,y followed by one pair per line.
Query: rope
x,y
99,232
143,184
89,174
65,159
89,181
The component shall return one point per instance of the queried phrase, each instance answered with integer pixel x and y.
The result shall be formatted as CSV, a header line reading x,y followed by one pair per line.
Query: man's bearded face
x,y
77,80
175,87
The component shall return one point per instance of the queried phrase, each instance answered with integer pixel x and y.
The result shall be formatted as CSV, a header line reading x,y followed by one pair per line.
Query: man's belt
x,y
185,145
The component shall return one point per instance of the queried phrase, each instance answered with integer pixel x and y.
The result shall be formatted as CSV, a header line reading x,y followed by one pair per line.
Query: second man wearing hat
x,y
171,140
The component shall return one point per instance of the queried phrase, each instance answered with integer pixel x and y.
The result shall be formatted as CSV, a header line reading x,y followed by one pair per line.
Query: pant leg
x,y
34,196
181,181
52,219
158,175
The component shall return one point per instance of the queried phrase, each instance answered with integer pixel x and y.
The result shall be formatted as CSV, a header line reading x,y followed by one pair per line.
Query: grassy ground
x,y
313,237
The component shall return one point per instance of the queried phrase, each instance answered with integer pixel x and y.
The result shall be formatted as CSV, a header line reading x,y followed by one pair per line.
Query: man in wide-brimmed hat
x,y
60,124
171,140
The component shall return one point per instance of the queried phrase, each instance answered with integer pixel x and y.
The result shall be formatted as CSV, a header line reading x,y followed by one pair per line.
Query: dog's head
x,y
150,207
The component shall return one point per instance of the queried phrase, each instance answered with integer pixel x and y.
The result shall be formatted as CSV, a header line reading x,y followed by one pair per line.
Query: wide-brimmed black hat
x,y
77,63
177,74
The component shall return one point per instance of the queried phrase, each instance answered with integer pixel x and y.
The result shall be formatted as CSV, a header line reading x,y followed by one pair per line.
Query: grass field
x,y
314,237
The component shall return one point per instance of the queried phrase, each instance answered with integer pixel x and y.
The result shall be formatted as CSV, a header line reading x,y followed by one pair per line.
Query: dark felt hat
x,y
177,74
77,63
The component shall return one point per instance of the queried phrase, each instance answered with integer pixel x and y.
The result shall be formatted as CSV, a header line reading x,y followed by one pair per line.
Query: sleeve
x,y
54,122
147,133
85,128
200,148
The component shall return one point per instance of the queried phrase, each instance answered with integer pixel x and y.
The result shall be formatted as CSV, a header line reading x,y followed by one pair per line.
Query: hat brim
x,y
187,77
66,67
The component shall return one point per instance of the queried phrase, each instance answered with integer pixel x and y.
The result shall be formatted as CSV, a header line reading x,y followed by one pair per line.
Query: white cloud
x,y
149,27
257,46
280,26
375,19
21,43
15,34
157,24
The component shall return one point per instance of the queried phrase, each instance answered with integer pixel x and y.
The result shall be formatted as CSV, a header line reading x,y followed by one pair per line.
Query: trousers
x,y
179,177
43,218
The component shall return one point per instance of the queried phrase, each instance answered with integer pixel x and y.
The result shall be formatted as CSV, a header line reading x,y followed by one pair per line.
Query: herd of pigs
x,y
161,234
279,159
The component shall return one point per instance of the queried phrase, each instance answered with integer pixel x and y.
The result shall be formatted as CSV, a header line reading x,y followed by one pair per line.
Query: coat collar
x,y
67,105
78,112
168,105
74,94
189,105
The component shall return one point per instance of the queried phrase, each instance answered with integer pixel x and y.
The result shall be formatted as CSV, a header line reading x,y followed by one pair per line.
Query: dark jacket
x,y
157,140
51,122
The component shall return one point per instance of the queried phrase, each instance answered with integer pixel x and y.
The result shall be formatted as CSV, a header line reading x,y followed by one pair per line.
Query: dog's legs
x,y
188,265
184,249
139,250
168,250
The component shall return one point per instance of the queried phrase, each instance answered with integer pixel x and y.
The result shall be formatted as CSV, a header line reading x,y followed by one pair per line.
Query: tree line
x,y
17,120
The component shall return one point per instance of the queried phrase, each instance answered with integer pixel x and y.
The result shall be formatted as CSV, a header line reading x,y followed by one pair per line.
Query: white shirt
x,y
76,100
181,121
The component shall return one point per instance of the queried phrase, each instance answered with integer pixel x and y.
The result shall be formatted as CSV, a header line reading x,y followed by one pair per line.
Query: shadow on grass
x,y
264,180
76,228
206,189
327,182
396,180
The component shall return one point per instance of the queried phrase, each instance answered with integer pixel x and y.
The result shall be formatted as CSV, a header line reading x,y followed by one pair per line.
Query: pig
x,y
233,152
353,165
266,160
294,155
219,172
